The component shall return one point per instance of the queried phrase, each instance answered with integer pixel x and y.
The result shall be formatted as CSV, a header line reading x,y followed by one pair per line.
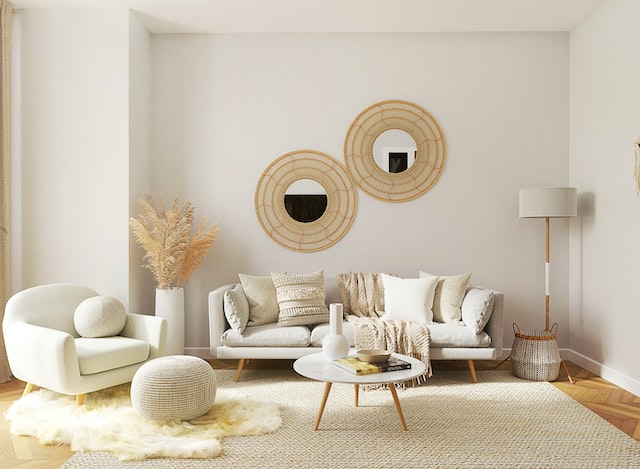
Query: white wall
x,y
139,155
74,145
605,254
225,106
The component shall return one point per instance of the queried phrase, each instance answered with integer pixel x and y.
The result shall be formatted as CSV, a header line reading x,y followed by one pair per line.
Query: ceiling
x,y
297,16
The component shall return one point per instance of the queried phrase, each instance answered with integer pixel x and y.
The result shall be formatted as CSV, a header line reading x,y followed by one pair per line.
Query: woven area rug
x,y
500,422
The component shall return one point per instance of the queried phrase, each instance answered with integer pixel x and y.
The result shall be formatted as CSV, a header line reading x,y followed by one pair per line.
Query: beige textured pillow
x,y
261,296
448,298
301,299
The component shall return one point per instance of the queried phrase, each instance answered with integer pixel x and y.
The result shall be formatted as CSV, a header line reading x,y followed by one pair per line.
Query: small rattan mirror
x,y
319,233
429,158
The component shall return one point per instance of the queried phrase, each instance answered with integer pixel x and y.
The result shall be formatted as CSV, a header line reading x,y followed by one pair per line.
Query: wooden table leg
x,y
394,393
327,388
356,389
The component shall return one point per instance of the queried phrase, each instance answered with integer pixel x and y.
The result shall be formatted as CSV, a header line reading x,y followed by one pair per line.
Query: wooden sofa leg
x,y
239,369
472,370
27,389
80,399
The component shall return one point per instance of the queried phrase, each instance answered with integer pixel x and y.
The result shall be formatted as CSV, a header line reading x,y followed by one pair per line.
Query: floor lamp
x,y
548,202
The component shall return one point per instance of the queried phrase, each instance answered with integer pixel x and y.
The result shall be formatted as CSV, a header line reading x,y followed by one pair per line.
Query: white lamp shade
x,y
553,202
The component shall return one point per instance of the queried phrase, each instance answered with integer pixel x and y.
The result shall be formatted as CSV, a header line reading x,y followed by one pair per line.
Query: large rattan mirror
x,y
421,170
275,200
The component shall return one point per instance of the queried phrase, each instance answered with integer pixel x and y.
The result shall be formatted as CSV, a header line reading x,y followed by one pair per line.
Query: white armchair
x,y
44,348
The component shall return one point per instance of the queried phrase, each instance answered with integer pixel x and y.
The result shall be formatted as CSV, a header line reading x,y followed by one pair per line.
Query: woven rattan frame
x,y
430,146
341,201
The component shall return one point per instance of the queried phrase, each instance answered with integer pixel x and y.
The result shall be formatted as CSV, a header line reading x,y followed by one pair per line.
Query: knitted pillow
x,y
301,299
99,316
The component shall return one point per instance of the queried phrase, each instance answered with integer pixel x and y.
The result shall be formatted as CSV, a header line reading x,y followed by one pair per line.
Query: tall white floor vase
x,y
170,306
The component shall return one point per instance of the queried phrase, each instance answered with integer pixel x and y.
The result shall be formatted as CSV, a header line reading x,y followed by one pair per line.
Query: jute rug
x,y
502,421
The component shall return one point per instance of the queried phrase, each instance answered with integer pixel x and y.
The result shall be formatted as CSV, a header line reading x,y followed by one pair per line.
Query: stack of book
x,y
360,367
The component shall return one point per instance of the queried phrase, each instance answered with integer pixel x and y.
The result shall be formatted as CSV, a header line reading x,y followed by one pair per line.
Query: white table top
x,y
317,366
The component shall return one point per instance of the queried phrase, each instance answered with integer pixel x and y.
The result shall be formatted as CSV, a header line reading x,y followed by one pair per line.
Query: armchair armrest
x,y
151,329
41,355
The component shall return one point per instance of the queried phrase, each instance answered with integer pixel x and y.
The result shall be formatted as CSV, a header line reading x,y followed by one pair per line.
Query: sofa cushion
x,y
319,332
408,299
261,296
301,299
236,308
268,335
476,308
99,316
108,353
448,296
456,335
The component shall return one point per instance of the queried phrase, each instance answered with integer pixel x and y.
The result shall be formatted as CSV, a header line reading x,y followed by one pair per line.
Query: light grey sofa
x,y
269,341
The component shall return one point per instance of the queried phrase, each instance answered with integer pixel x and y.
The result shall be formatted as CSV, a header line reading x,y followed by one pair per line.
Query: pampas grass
x,y
171,253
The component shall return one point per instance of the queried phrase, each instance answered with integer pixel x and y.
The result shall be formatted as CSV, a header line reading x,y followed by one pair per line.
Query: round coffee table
x,y
318,367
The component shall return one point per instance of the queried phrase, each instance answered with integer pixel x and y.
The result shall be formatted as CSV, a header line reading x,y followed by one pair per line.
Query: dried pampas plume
x,y
171,253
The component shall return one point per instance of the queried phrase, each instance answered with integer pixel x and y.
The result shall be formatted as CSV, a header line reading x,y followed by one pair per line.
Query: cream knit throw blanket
x,y
362,296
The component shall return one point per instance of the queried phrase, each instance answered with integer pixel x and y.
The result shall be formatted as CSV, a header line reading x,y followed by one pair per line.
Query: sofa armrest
x,y
217,321
495,327
150,329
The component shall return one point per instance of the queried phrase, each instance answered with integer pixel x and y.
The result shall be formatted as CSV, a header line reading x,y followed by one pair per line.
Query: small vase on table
x,y
335,345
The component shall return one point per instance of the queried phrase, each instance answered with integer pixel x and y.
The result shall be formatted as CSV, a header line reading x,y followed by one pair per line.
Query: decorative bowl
x,y
374,356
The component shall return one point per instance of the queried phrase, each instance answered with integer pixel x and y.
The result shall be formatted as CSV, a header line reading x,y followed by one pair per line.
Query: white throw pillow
x,y
301,299
99,316
261,295
477,307
408,299
448,296
236,308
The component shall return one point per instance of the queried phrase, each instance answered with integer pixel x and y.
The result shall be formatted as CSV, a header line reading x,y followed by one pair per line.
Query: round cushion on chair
x,y
99,316
177,387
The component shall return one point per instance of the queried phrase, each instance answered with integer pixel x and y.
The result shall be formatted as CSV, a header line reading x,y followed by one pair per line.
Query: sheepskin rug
x,y
108,422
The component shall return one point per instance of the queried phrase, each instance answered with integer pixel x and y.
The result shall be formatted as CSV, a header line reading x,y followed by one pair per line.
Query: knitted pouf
x,y
177,387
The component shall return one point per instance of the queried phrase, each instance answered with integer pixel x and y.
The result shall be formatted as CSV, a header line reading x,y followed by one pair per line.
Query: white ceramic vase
x,y
170,306
335,345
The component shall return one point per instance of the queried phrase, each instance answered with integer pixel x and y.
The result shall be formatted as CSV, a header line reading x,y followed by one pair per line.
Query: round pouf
x,y
176,387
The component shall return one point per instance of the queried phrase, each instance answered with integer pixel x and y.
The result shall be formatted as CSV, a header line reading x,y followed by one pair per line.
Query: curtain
x,y
6,10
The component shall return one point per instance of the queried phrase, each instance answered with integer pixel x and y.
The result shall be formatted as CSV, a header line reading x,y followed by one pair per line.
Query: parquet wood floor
x,y
612,403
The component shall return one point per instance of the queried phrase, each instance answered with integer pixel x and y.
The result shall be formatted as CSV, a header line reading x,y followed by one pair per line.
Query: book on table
x,y
360,367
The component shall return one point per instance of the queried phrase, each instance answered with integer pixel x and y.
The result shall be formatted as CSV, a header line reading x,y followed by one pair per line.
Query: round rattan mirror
x,y
429,158
319,233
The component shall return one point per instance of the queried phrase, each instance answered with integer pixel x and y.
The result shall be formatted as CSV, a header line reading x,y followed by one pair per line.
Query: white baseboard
x,y
619,379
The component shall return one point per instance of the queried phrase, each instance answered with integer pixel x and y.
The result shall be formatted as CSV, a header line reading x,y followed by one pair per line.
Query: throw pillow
x,y
236,308
448,296
408,299
99,316
301,299
476,308
261,296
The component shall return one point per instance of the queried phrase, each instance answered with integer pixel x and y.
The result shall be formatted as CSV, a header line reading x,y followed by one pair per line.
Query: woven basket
x,y
535,355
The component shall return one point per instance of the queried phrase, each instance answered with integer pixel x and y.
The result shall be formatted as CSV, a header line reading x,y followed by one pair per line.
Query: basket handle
x,y
554,329
516,329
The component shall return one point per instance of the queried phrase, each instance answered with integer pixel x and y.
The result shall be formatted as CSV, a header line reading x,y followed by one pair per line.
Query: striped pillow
x,y
301,299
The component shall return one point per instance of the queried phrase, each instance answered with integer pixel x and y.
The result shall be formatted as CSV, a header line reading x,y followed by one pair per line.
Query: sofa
x,y
273,340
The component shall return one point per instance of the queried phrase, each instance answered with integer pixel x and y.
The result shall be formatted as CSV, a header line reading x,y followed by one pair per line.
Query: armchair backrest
x,y
51,306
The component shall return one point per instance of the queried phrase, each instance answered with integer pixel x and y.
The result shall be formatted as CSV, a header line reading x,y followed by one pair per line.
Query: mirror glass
x,y
394,151
305,200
